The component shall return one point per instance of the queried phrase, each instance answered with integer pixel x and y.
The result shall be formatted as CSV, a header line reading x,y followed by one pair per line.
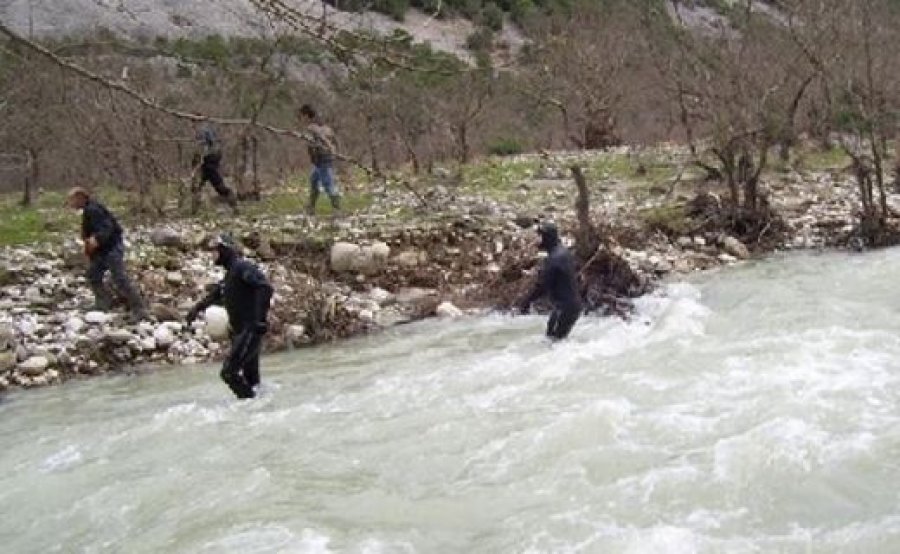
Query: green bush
x,y
492,17
505,146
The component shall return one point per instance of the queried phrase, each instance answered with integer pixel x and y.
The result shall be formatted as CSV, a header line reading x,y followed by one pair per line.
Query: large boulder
x,y
367,259
166,236
34,365
343,256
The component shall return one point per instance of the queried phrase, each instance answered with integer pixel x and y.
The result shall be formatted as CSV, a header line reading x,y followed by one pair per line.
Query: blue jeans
x,y
322,178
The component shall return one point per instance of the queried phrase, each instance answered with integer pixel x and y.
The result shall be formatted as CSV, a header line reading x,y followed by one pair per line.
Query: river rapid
x,y
751,409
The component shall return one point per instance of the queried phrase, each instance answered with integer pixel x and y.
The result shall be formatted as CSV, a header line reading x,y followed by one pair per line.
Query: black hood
x,y
226,250
549,236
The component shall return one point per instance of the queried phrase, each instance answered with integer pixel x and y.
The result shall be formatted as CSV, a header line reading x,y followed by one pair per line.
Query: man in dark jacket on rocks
x,y
557,280
105,250
245,292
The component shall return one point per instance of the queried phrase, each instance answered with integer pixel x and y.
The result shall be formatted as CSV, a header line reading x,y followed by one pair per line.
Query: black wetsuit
x,y
245,292
558,281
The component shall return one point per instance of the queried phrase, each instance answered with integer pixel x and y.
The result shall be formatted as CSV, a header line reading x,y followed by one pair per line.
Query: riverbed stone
x,y
35,365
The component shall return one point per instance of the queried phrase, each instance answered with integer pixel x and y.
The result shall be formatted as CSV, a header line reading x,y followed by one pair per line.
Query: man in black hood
x,y
558,281
245,292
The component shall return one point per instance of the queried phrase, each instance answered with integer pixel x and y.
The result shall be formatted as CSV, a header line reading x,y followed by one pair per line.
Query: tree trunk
x,y
588,239
31,176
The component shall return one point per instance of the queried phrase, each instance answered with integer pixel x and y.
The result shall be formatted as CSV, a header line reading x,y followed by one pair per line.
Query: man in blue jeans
x,y
322,148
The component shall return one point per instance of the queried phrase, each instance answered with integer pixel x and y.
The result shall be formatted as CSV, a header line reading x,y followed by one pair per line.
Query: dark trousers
x,y
240,371
209,172
561,322
113,261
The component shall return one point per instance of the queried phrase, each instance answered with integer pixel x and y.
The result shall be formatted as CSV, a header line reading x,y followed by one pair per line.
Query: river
x,y
752,409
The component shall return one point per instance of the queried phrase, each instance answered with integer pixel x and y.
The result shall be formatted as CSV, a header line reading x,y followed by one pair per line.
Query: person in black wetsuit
x,y
245,292
105,249
558,281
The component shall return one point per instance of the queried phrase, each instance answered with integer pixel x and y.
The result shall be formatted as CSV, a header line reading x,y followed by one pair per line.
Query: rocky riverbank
x,y
362,273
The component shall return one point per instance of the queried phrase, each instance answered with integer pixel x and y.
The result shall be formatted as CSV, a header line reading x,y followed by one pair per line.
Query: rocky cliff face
x,y
138,19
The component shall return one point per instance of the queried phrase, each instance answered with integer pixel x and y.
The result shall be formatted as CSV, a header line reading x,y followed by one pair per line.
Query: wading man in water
x,y
105,249
558,281
245,292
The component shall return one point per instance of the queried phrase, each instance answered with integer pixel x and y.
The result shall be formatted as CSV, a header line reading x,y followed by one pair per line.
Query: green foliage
x,y
505,146
671,220
492,17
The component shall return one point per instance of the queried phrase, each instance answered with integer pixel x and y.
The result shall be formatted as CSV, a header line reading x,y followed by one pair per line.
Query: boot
x,y
336,204
231,199
102,298
313,198
137,310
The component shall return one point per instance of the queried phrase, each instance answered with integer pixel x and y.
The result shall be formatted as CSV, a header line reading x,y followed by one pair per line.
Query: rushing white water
x,y
753,410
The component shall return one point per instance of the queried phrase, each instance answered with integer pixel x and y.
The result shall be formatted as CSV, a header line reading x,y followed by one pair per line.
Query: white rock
x,y
34,365
295,334
380,296
148,344
380,252
343,256
448,310
409,258
97,318
699,241
216,322
118,336
174,278
74,324
727,258
366,315
163,336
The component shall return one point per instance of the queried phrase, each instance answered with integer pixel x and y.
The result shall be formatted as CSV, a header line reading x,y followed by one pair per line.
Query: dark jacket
x,y
98,222
245,292
557,280
322,148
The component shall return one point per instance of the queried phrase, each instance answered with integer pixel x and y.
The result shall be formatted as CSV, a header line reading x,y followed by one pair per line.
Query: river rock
x,y
74,324
148,344
343,256
118,336
166,236
410,258
380,296
34,365
97,318
734,247
216,322
7,361
163,336
7,337
295,335
164,312
174,278
448,310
